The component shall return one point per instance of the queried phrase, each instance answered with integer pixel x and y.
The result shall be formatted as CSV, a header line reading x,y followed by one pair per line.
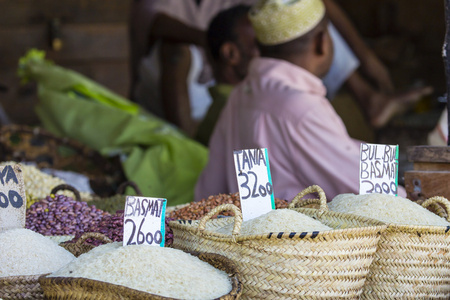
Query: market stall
x,y
112,216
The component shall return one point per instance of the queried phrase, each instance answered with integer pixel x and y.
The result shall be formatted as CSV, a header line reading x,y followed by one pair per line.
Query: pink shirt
x,y
283,108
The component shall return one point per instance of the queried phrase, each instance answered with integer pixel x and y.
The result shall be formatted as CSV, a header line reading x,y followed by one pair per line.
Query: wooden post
x,y
445,53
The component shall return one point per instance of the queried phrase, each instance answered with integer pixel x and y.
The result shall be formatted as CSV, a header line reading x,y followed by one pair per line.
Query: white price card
x,y
378,169
12,197
255,182
144,221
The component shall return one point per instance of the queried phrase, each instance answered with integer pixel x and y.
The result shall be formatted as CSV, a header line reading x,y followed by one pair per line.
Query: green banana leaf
x,y
156,155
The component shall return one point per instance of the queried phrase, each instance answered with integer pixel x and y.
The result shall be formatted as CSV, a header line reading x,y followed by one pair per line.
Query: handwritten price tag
x,y
144,221
255,183
12,197
378,169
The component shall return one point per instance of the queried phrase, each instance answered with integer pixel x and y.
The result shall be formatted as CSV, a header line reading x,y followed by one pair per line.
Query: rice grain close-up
x,y
161,271
386,208
25,252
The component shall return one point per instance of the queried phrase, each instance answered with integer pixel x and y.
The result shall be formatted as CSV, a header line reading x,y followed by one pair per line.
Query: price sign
x,y
12,198
255,183
378,169
144,221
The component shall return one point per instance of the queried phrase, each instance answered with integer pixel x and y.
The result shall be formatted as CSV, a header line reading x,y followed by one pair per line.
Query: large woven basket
x,y
412,262
290,265
82,288
22,143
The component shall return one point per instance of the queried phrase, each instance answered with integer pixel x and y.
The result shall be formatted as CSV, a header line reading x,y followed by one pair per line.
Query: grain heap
x,y
39,184
162,271
24,252
386,208
279,220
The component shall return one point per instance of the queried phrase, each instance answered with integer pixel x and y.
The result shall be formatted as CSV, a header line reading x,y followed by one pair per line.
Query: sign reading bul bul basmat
x,y
12,197
144,221
255,182
378,169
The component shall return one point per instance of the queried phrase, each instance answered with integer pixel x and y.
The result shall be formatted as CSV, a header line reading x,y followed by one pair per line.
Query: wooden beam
x,y
433,154
445,54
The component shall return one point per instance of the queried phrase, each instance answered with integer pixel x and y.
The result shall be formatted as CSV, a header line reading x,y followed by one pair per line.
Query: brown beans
x,y
196,210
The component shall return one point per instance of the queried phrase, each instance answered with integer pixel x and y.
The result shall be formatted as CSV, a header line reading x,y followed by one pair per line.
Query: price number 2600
x,y
142,237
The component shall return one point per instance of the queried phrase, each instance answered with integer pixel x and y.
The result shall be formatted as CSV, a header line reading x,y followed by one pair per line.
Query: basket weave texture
x,y
290,265
82,288
412,262
20,287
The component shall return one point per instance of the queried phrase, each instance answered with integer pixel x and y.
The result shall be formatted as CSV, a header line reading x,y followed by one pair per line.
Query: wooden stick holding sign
x,y
144,221
12,198
378,169
255,182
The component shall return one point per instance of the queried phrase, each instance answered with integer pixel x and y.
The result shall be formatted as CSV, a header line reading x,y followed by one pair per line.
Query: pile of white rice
x,y
161,271
25,252
278,220
386,208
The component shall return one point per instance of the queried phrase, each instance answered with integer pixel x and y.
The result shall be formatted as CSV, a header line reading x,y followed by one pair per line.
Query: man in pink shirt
x,y
281,106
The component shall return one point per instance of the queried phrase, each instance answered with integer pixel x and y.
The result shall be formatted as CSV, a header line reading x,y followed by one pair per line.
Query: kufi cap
x,y
279,21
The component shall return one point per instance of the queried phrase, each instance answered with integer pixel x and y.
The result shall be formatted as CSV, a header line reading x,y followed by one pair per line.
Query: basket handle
x,y
438,199
67,187
298,202
224,207
94,235
125,184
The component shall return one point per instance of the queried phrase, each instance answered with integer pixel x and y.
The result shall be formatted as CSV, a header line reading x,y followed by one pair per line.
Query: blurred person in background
x,y
169,72
170,75
368,80
281,105
232,45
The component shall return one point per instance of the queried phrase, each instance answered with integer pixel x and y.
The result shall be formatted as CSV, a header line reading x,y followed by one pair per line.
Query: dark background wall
x,y
93,35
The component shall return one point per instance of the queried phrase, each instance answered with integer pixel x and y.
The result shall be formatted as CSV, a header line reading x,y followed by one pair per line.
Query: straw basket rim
x,y
82,285
334,233
298,202
30,287
406,261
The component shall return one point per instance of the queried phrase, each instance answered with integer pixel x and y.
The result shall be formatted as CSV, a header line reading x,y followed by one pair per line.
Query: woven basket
x,y
290,265
23,143
21,287
117,202
412,262
81,288
80,246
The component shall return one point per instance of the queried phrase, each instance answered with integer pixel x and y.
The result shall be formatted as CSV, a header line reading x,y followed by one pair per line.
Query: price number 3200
x,y
253,187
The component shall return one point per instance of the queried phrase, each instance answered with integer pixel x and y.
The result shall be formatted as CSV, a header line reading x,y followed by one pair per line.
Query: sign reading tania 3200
x,y
12,197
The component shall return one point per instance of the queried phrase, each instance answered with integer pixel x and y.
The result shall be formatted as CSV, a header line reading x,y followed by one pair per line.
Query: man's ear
x,y
319,43
229,53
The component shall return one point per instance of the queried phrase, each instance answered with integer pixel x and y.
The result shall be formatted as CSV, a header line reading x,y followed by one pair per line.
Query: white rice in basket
x,y
386,208
277,220
161,271
25,252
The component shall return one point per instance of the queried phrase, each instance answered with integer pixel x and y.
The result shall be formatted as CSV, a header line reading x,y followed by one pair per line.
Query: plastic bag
x,y
159,158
